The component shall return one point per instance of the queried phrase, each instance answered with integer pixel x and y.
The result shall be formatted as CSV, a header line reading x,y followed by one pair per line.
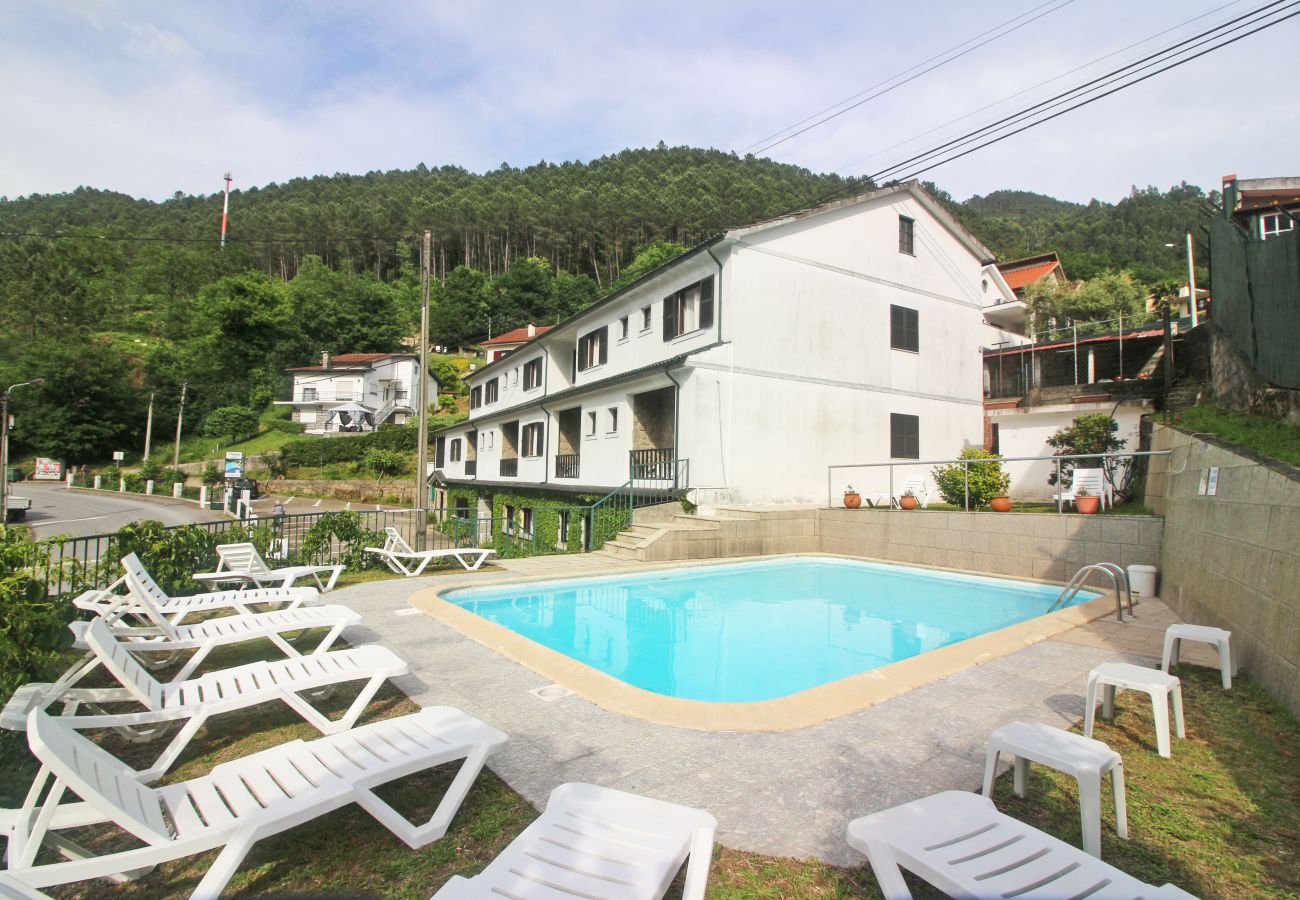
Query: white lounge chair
x,y
197,699
13,889
961,844
598,843
242,564
399,556
156,634
137,580
917,486
1094,481
239,802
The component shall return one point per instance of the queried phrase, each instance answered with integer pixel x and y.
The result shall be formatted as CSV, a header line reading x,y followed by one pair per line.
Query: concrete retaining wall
x,y
402,489
1233,559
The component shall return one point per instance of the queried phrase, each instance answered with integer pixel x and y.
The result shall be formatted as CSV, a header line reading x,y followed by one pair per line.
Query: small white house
x,y
355,392
742,369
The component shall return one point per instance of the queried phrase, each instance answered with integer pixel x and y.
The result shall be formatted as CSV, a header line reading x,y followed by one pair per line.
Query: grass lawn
x,y
1268,436
1128,508
1220,818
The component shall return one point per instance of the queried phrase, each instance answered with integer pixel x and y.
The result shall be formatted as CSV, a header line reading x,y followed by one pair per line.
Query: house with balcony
x,y
355,392
508,342
744,367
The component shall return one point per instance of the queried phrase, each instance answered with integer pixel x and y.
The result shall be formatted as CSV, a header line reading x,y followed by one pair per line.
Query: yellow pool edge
x,y
810,707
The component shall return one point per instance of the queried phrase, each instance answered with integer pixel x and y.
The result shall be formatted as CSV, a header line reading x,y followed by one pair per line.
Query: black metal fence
x,y
89,561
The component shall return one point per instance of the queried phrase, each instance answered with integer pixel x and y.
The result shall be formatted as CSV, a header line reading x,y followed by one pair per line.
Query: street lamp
x,y
4,445
1191,278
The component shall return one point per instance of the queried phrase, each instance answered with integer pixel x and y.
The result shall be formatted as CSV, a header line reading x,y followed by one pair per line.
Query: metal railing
x,y
567,465
654,463
309,395
471,468
1110,463
91,561
1075,585
509,468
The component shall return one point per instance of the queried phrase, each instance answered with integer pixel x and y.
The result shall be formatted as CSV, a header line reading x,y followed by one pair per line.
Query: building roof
x,y
1262,193
517,335
349,361
1022,272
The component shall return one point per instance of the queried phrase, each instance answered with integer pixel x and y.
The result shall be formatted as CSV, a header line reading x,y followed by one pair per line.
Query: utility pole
x,y
148,429
422,388
180,415
4,446
225,211
1191,280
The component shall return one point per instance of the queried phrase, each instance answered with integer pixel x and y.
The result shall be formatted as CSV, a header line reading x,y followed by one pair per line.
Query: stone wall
x,y
1233,559
1051,547
1210,354
403,489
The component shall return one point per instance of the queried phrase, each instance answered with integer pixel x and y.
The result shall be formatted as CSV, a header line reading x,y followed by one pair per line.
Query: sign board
x,y
119,455
48,469
1212,481
234,464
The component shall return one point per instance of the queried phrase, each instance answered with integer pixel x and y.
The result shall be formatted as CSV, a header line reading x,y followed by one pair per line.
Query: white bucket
x,y
1143,580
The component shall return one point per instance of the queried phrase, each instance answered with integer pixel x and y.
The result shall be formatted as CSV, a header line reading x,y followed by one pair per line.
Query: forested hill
x,y
111,299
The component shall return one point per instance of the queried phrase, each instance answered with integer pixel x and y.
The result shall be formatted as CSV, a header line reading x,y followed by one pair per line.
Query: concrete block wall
x,y
1232,560
1051,547
737,534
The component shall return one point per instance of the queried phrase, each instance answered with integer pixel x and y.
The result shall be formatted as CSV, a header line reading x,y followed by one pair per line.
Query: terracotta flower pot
x,y
1000,504
852,501
1087,505
907,502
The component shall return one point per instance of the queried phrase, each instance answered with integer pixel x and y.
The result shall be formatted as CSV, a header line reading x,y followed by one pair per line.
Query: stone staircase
x,y
1184,395
673,538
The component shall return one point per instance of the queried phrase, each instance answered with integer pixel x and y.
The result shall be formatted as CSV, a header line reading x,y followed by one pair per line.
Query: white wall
x,y
1024,432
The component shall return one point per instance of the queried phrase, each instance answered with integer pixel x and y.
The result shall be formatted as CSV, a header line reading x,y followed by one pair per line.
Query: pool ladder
x,y
1116,574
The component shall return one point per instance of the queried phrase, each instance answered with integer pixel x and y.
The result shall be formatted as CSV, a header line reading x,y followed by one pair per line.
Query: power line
x,y
1166,65
778,133
860,160
911,78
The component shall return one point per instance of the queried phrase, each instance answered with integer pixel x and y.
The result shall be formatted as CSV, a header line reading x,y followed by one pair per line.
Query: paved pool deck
x,y
785,793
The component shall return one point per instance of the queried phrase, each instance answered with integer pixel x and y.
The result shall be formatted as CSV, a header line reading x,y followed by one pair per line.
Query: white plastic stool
x,y
1176,634
1160,685
1084,758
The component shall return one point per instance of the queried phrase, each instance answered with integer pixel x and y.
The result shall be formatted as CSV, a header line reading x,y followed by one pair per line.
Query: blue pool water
x,y
756,630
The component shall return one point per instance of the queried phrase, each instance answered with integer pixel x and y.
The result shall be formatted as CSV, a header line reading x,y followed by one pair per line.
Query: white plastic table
x,y
1086,759
1160,685
1179,632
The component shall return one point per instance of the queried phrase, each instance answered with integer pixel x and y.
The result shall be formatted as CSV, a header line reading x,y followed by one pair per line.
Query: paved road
x,y
57,510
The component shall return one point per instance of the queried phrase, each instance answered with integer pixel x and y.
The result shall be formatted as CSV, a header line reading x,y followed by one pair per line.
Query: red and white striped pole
x,y
225,211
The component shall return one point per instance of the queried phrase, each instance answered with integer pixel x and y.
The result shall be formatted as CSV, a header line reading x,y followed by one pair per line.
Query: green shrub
x,y
212,474
987,480
284,425
33,629
1089,433
343,528
382,462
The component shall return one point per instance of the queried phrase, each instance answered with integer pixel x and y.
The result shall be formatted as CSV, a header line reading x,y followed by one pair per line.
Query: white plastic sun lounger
x,y
962,845
239,802
399,557
157,634
242,564
137,580
598,843
196,699
13,889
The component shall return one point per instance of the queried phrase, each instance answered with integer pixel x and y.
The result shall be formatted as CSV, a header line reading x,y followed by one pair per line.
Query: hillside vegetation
x,y
110,298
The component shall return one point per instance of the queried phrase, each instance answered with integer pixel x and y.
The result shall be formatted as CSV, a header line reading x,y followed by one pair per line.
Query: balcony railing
x,y
653,464
310,395
510,468
567,465
471,467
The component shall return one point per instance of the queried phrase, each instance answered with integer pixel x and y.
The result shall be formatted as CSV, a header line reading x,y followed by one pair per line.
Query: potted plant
x,y
1000,504
1085,502
852,499
908,500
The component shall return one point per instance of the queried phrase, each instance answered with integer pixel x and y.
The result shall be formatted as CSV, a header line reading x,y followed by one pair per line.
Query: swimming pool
x,y
756,630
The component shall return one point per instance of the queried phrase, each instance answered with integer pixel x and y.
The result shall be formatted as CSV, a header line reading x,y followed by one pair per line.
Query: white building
x,y
743,368
356,391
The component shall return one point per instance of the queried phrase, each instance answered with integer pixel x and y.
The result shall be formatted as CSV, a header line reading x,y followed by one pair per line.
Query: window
x,y
462,508
490,391
533,375
622,329
906,236
645,318
308,393
562,533
593,348
514,375
903,333
690,309
1271,224
476,397
532,439
904,436
508,520
526,522
455,450
485,440
613,419
591,422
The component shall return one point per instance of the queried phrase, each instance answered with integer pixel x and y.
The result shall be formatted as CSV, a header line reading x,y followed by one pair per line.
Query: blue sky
x,y
150,98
